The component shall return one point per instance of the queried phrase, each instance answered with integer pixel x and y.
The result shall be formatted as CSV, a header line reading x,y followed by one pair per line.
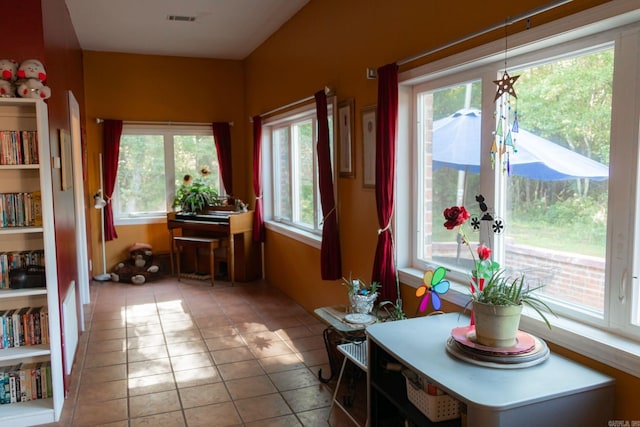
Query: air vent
x,y
181,18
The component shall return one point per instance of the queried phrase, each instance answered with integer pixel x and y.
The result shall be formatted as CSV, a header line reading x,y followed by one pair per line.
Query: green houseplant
x,y
497,307
497,298
502,289
362,296
194,195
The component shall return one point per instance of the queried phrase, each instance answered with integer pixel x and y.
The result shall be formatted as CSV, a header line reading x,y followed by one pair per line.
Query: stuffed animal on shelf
x,y
8,74
139,268
32,75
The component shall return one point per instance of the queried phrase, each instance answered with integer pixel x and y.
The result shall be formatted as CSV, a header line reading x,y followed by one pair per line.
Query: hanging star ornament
x,y
505,85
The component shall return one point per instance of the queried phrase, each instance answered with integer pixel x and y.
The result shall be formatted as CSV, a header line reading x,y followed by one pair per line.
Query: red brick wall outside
x,y
566,276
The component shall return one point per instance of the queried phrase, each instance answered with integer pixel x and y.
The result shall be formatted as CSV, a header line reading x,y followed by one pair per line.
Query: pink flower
x,y
484,252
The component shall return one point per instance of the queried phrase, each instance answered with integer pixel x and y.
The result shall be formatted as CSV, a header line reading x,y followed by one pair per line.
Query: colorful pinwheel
x,y
434,285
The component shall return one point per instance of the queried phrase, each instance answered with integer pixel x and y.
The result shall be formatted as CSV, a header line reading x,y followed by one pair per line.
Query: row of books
x,y
25,382
24,326
18,147
17,259
20,209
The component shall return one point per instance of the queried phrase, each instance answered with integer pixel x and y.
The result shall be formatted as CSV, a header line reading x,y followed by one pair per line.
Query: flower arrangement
x,y
491,284
194,194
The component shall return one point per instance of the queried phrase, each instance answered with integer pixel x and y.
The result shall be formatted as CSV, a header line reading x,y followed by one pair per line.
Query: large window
x,y
550,178
152,163
549,181
292,196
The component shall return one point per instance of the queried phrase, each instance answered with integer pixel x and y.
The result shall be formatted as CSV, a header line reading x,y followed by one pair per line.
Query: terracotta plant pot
x,y
496,325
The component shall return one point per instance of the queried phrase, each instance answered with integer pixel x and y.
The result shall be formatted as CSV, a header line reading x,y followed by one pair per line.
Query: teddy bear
x,y
32,75
139,268
8,74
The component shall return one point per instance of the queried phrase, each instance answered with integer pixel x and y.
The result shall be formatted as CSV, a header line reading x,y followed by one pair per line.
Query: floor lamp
x,y
100,203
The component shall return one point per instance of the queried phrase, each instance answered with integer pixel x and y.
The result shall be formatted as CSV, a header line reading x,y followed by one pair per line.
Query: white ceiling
x,y
223,29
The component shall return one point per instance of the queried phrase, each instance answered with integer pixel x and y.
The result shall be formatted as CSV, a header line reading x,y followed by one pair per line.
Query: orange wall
x,y
158,88
332,43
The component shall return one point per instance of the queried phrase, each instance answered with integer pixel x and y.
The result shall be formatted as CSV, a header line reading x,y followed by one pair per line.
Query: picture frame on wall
x,y
368,115
345,137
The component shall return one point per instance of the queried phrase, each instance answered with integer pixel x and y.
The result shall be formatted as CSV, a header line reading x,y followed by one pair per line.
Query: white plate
x,y
359,318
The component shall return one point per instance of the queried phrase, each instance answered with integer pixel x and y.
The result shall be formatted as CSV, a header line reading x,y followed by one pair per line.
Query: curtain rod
x,y
143,122
327,92
508,21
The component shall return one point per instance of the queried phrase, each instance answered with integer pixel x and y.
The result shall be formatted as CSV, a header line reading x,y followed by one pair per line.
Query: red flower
x,y
484,252
455,216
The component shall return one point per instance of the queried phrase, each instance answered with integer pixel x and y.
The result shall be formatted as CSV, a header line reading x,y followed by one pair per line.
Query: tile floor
x,y
172,353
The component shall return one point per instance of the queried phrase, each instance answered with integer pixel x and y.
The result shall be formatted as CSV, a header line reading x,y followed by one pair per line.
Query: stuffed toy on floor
x,y
139,268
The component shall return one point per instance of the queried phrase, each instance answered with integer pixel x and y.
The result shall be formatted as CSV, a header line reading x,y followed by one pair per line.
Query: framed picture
x,y
345,138
368,115
66,167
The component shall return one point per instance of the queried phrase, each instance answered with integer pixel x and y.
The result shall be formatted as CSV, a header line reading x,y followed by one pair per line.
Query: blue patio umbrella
x,y
456,139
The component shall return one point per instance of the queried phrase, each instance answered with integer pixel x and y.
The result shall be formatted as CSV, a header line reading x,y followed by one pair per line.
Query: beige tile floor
x,y
172,353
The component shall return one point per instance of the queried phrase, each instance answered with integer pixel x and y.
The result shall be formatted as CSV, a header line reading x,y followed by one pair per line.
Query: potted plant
x,y
497,298
497,306
361,295
193,195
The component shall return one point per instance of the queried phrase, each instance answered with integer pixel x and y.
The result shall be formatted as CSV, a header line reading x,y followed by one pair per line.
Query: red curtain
x,y
258,222
387,114
222,139
330,257
112,130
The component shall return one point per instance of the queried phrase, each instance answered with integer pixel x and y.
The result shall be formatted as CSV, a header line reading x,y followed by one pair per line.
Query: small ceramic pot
x,y
496,325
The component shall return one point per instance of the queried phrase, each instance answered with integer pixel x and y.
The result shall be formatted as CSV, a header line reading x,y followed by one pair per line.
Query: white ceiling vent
x,y
181,18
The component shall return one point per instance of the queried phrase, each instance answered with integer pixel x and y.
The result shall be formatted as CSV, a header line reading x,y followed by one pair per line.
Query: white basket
x,y
436,408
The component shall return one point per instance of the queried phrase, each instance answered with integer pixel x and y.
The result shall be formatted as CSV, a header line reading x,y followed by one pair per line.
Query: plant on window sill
x,y
194,194
490,284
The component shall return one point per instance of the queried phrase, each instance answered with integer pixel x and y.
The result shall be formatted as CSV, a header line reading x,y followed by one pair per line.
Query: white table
x,y
557,392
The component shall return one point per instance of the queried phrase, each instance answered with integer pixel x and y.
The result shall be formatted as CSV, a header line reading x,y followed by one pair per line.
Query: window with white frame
x,y
561,204
152,163
290,178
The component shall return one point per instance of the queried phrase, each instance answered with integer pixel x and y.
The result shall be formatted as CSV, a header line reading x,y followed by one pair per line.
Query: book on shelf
x,y
23,327
18,147
23,382
21,209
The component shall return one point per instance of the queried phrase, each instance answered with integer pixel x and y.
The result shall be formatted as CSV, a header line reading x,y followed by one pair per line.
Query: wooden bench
x,y
210,244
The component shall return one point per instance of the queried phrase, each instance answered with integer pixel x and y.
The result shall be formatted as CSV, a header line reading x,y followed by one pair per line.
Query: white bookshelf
x,y
31,114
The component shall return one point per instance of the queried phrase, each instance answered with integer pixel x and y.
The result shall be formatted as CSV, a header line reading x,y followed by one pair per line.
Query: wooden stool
x,y
197,242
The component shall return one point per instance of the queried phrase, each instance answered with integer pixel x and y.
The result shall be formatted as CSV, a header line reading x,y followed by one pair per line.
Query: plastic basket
x,y
436,408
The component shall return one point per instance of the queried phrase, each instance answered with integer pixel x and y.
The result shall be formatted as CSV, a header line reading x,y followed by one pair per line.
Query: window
x,y
153,161
550,186
290,178
561,201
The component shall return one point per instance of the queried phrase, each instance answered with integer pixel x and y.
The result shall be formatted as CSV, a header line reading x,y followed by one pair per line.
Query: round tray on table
x,y
529,350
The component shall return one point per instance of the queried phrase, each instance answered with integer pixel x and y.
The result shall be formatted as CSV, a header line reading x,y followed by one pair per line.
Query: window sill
x,y
605,347
148,219
294,233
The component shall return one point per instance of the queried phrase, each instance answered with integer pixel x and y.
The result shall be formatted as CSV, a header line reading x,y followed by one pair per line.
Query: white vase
x,y
362,303
496,325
